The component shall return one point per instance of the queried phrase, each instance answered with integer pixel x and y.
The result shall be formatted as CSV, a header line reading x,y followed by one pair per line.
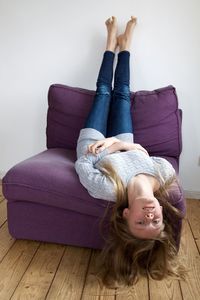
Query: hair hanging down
x,y
125,257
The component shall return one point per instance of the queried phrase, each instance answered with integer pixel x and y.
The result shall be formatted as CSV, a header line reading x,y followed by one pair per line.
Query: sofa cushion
x,y
157,119
49,178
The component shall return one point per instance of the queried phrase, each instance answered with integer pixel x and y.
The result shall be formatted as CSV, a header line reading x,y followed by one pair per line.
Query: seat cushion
x,y
49,178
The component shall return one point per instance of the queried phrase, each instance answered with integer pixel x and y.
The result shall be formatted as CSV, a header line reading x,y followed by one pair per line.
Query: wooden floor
x,y
36,270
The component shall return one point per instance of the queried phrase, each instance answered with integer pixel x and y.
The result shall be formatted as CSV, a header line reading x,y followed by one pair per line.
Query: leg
x,y
120,120
98,115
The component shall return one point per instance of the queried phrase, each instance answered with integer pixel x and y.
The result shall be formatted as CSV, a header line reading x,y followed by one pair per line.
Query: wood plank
x,y
93,289
6,240
166,289
14,265
70,277
1,194
139,291
39,275
3,212
190,255
193,213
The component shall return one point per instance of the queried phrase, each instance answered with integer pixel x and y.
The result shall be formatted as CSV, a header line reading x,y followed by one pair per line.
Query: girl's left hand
x,y
101,145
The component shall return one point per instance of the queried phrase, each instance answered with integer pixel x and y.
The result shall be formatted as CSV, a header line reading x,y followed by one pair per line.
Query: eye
x,y
140,222
156,221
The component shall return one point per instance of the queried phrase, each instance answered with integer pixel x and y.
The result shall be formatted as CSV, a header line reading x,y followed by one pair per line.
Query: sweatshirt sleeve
x,y
97,184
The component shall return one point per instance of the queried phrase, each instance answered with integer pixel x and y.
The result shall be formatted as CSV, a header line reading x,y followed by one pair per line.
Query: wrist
x,y
117,146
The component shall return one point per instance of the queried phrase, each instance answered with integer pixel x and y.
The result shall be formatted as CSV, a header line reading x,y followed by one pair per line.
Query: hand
x,y
101,145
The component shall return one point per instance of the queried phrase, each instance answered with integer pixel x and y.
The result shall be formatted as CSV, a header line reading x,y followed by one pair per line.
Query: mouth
x,y
149,208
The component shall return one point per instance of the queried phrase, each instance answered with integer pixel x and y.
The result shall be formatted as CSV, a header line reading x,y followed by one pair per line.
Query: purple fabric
x,y
52,224
49,178
155,114
45,198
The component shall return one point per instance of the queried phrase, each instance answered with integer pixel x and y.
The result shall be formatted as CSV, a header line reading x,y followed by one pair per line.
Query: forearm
x,y
124,146
113,144
118,146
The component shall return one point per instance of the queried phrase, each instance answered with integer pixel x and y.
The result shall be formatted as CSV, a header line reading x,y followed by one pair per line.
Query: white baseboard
x,y
2,174
192,194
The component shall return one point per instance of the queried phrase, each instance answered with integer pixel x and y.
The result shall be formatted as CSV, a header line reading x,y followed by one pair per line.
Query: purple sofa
x,y
45,199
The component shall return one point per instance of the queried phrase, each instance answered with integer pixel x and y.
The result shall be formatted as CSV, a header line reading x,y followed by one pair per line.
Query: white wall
x,y
61,41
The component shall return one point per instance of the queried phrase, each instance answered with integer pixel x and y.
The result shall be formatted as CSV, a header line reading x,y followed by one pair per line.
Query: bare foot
x,y
124,40
111,25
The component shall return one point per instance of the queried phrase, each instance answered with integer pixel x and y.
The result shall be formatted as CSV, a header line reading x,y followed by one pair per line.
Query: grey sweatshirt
x,y
126,164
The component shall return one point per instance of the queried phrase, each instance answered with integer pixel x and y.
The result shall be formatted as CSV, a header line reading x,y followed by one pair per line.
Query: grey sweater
x,y
127,164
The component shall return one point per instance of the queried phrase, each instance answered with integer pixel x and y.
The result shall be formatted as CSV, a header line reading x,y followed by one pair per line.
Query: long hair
x,y
125,258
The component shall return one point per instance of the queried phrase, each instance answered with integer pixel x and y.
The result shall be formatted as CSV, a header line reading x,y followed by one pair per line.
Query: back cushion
x,y
156,118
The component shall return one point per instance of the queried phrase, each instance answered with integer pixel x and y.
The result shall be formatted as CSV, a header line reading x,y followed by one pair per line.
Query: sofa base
x,y
51,224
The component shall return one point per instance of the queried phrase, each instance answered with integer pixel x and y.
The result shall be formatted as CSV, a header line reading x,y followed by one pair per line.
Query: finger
x,y
100,149
90,147
95,148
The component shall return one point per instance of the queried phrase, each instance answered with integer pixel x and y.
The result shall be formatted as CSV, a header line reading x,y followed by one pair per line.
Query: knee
x,y
122,88
103,89
122,91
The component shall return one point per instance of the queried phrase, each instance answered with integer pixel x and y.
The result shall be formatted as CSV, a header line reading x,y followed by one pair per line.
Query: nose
x,y
149,216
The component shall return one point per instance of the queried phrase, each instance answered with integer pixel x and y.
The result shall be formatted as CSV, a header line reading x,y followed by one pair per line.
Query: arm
x,y
113,145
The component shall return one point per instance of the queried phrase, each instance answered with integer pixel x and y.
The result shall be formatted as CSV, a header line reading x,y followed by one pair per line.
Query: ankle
x,y
124,43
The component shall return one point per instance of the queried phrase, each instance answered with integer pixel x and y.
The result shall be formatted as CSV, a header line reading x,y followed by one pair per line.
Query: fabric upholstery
x,y
155,114
44,191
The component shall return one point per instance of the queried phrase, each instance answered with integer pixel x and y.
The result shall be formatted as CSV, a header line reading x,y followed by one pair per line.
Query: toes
x,y
133,18
131,24
111,20
114,19
108,21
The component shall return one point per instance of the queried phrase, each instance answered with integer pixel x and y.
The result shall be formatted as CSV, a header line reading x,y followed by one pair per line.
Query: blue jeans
x,y
110,113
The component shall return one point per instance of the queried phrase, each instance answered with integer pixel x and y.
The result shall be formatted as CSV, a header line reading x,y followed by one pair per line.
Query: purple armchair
x,y
45,199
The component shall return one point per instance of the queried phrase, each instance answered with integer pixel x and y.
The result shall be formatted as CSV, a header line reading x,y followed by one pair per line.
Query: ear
x,y
125,213
161,208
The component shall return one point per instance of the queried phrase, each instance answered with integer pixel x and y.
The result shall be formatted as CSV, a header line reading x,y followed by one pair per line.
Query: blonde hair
x,y
125,258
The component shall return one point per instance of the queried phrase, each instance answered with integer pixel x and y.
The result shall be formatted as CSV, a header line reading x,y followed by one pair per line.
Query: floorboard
x,y
44,266
37,270
70,277
193,216
166,289
3,212
93,288
190,256
14,265
136,292
6,241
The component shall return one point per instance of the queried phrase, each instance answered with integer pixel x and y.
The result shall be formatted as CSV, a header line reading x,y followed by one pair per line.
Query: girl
x,y
116,169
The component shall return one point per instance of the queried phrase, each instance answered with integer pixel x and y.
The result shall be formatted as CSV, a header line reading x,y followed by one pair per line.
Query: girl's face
x,y
144,217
